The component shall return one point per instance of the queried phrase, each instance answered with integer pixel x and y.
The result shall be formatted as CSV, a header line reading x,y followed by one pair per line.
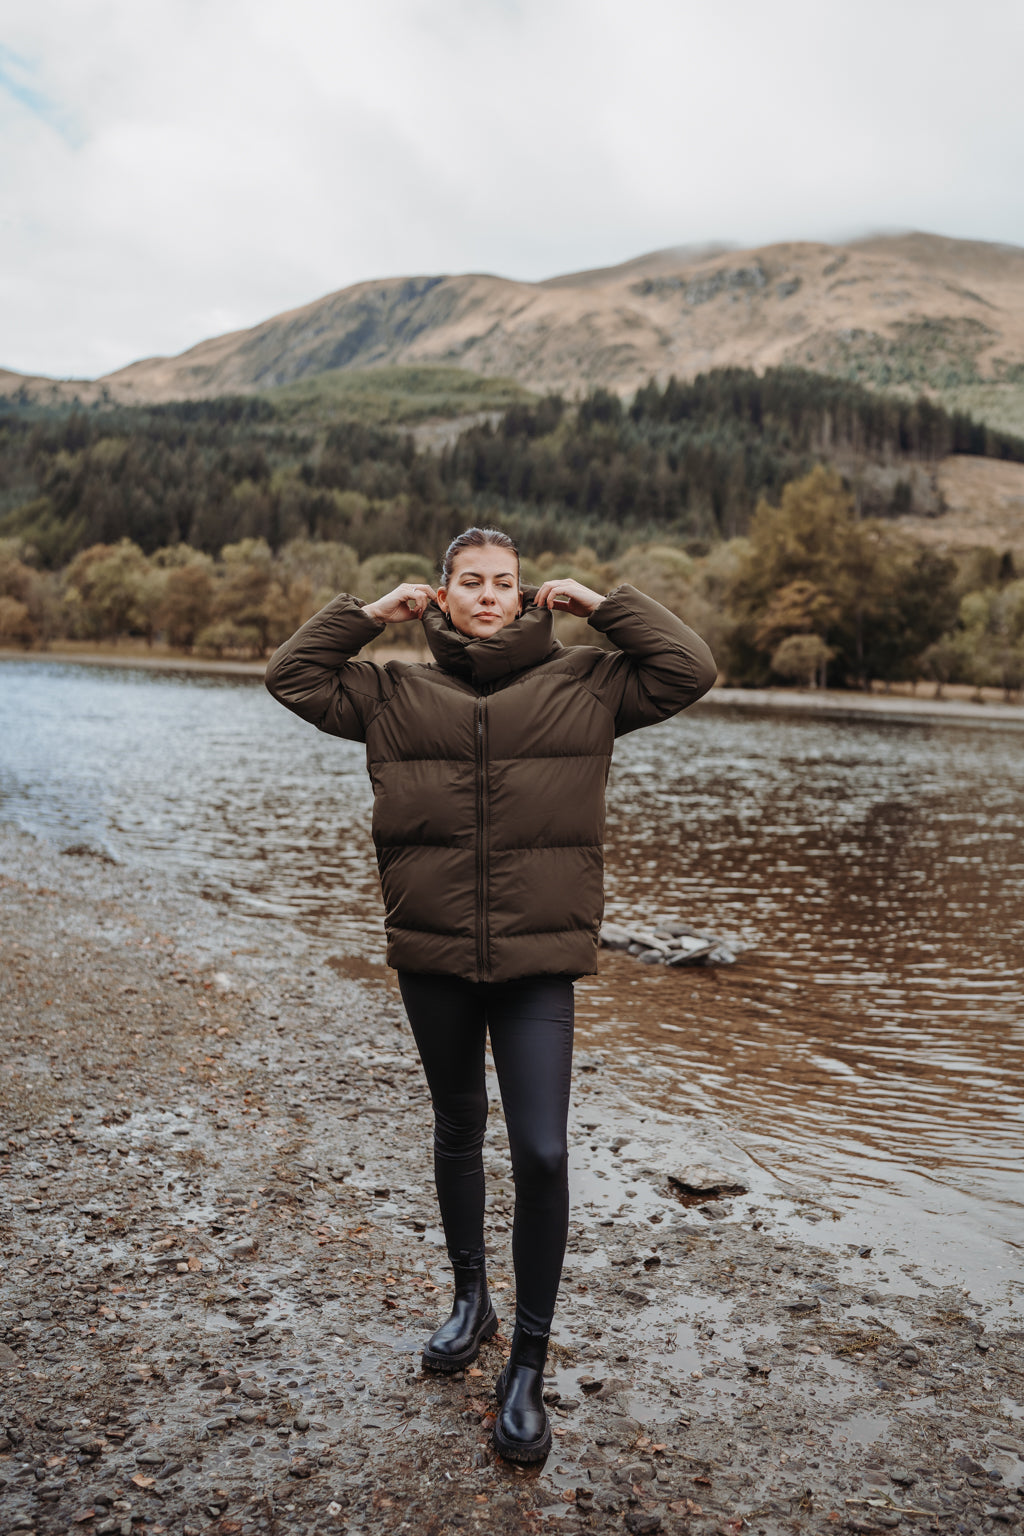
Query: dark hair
x,y
474,538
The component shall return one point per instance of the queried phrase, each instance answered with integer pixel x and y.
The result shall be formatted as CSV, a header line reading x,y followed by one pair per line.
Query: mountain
x,y
912,311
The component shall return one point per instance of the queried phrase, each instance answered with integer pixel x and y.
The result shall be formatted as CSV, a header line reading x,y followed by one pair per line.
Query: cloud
x,y
172,170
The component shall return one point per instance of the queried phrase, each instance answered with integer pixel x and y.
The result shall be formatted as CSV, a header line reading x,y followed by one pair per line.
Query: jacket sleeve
x,y
313,674
660,666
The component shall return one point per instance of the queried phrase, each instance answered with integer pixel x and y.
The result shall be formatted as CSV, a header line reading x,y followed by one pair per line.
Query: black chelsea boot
x,y
457,1342
521,1430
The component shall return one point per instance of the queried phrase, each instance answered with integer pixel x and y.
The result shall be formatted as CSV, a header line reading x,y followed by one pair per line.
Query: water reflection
x,y
873,1033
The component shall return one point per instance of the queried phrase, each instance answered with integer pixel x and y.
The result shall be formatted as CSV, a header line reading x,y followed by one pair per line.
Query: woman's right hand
x,y
409,601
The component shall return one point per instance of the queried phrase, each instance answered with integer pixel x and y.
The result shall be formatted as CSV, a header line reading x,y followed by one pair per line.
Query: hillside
x,y
909,312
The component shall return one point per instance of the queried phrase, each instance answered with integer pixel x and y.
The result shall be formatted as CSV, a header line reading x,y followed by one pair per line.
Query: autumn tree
x,y
110,590
188,590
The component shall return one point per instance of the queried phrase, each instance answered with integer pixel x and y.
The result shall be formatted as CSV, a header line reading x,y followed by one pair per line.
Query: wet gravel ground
x,y
220,1256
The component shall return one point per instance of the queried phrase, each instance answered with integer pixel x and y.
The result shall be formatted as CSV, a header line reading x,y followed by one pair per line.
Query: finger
x,y
545,597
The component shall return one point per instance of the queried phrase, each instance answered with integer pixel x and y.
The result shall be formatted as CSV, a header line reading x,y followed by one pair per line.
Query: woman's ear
x,y
442,599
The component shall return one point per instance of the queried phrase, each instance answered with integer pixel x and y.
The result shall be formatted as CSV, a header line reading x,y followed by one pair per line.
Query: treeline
x,y
812,594
685,464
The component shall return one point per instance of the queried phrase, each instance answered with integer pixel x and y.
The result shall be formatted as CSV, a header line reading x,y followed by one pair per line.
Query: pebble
x,y
640,1523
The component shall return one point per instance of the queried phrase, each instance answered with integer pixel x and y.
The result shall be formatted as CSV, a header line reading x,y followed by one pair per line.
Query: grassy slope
x,y
395,396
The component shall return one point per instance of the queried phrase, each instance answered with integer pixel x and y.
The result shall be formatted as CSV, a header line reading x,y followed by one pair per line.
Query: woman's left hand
x,y
568,596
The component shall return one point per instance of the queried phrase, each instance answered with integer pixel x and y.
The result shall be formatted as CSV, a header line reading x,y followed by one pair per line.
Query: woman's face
x,y
482,595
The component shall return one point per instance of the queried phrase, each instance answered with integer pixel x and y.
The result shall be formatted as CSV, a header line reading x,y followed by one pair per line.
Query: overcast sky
x,y
172,169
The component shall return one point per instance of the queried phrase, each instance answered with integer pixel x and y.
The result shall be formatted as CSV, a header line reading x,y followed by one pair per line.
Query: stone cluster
x,y
671,943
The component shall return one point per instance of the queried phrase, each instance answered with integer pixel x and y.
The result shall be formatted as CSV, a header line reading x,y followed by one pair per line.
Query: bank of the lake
x,y
959,703
221,1255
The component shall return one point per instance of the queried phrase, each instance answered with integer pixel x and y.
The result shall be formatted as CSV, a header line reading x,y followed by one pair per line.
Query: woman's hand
x,y
568,596
409,601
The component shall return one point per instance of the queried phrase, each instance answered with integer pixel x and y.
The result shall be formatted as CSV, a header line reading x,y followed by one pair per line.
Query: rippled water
x,y
873,1035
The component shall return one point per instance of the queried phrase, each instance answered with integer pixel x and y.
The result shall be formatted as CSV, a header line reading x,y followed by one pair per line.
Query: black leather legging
x,y
531,1028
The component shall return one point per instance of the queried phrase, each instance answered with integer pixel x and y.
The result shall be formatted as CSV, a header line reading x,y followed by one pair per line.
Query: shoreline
x,y
828,702
221,1255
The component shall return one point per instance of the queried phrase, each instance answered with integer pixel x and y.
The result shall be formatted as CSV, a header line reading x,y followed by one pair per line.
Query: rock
x,y
635,1472
614,937
1005,1443
245,1245
803,1305
640,1523
698,1179
86,851
689,951
903,1476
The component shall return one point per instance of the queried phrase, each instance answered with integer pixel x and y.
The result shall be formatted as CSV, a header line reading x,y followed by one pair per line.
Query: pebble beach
x,y
221,1256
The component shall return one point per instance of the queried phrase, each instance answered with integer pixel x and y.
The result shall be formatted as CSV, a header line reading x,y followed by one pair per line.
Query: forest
x,y
760,507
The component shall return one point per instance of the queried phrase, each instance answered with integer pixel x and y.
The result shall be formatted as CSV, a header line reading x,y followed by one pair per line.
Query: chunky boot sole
x,y
445,1364
518,1450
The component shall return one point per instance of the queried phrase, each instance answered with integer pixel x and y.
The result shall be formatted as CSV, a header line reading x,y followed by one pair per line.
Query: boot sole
x,y
445,1365
515,1450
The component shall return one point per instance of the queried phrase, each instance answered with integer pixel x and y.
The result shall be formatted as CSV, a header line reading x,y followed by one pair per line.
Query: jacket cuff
x,y
612,606
358,622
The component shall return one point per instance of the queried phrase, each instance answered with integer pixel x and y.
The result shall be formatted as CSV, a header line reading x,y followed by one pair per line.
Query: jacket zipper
x,y
481,833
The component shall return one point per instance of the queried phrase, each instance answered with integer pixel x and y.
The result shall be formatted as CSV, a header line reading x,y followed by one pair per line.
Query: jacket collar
x,y
527,641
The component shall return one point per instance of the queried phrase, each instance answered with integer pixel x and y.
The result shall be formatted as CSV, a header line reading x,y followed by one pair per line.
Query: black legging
x,y
531,1029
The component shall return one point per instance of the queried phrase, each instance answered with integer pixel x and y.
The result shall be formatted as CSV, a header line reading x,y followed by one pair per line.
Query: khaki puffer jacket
x,y
488,769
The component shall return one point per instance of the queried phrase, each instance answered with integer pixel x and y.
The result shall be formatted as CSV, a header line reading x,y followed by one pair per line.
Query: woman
x,y
488,768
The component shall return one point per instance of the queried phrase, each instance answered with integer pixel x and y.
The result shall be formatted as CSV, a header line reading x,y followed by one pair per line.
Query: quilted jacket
x,y
488,768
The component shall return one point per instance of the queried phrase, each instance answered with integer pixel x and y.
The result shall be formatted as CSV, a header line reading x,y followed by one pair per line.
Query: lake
x,y
869,1043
